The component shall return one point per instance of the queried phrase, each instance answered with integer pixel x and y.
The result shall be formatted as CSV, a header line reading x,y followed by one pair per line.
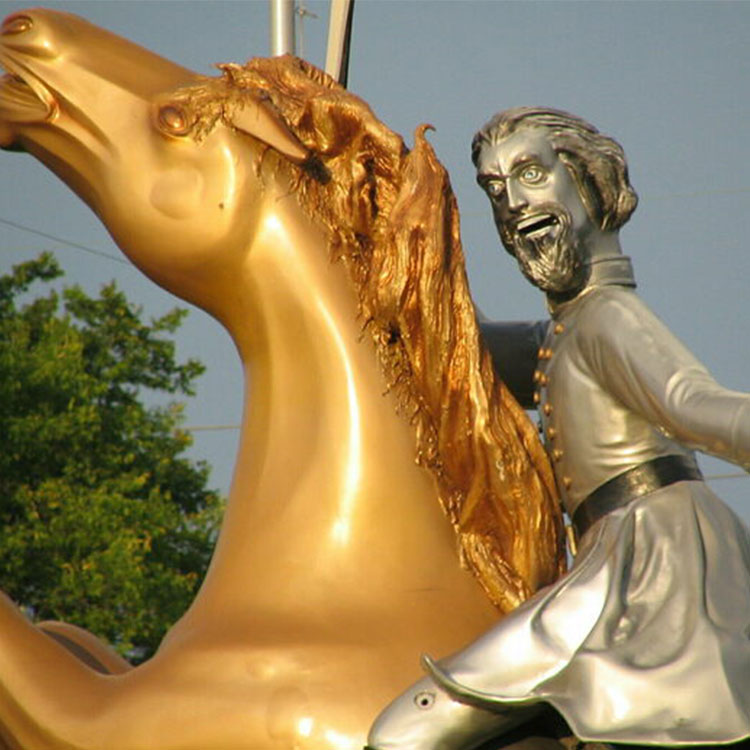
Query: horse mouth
x,y
23,99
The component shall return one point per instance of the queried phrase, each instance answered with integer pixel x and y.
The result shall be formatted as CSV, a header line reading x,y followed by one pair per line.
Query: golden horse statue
x,y
276,201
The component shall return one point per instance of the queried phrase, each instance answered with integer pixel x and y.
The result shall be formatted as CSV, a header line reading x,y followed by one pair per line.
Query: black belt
x,y
630,485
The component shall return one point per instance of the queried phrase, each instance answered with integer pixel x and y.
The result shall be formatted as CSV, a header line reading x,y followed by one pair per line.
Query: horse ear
x,y
258,119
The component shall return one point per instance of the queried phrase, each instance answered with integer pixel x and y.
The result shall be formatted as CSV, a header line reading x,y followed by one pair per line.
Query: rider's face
x,y
538,209
522,175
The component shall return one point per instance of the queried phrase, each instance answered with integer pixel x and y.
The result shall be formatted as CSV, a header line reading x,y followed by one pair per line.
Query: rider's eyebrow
x,y
491,176
520,161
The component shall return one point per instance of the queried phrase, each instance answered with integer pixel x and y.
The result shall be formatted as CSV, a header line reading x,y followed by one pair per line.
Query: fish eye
x,y
173,120
532,174
424,700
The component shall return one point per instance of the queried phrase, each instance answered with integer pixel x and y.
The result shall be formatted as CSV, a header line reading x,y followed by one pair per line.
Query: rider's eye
x,y
532,174
495,188
173,119
424,700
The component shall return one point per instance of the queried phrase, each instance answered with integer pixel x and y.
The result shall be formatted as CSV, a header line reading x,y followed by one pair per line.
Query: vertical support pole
x,y
282,27
339,39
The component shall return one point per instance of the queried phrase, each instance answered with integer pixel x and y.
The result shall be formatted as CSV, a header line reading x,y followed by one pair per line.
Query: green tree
x,y
103,522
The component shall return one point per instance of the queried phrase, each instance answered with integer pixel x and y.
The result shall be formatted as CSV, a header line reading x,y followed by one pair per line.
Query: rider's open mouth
x,y
537,223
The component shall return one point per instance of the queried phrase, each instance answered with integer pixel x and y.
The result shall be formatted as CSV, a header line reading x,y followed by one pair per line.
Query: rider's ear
x,y
258,118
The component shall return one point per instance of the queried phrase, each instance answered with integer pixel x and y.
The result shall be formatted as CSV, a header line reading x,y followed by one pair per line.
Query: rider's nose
x,y
515,196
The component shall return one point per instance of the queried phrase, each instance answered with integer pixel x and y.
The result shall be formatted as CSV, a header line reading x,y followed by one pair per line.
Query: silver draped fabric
x,y
646,639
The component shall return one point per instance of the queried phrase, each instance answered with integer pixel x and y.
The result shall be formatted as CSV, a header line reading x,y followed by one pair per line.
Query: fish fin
x,y
462,693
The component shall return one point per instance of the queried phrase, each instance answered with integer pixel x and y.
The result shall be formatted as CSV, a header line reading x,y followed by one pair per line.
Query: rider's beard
x,y
553,260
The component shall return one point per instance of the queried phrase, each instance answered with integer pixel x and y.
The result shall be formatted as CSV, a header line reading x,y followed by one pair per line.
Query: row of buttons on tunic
x,y
542,380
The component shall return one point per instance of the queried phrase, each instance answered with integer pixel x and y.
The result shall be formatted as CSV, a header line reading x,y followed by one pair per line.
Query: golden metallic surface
x,y
570,534
276,201
86,646
16,24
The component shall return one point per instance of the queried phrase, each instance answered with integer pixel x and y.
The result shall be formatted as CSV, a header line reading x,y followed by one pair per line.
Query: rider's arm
x,y
515,350
647,368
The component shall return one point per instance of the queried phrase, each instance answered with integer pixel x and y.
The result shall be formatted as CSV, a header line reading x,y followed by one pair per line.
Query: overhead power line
x,y
62,241
729,475
209,427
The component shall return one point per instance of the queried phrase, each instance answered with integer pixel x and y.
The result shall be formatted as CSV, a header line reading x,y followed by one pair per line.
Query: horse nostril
x,y
16,25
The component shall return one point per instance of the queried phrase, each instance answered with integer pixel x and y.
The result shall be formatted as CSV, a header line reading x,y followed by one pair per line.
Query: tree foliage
x,y
103,522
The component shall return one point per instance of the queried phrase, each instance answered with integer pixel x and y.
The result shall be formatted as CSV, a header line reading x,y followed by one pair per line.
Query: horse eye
x,y
16,25
424,700
173,120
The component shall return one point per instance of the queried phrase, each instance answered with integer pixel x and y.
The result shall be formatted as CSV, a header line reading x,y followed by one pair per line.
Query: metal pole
x,y
282,27
339,39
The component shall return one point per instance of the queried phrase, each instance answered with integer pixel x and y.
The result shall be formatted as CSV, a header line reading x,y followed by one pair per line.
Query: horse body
x,y
335,566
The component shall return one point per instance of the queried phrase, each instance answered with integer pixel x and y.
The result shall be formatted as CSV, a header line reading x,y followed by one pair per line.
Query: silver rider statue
x,y
646,639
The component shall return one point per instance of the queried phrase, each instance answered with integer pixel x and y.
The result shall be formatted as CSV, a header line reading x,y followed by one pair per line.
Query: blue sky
x,y
667,79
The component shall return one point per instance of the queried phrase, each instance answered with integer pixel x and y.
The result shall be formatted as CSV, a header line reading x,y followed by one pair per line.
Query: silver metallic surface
x,y
339,36
638,643
624,390
632,484
645,639
426,717
282,27
538,210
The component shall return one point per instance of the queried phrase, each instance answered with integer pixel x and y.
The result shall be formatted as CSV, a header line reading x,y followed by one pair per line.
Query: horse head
x,y
109,118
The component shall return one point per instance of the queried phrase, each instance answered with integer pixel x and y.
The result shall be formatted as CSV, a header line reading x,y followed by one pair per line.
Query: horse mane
x,y
393,221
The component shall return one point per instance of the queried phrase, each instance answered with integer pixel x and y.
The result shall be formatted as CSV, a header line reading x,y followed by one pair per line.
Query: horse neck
x,y
326,480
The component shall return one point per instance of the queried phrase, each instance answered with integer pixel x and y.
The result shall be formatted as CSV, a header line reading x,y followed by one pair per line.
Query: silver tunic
x,y
617,389
645,639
